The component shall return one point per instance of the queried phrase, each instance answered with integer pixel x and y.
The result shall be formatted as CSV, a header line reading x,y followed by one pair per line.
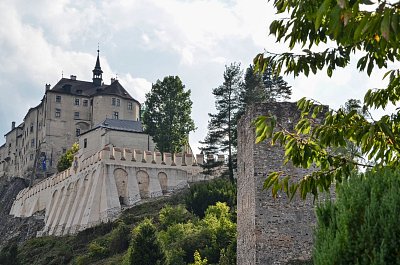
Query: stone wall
x,y
96,187
270,231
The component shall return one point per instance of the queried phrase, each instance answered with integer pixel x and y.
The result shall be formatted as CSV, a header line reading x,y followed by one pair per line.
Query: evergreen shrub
x,y
362,225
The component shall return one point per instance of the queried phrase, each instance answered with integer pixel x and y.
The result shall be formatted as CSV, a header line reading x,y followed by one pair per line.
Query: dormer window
x,y
79,91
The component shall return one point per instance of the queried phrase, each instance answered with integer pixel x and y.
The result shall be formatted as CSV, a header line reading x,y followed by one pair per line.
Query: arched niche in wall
x,y
163,179
83,126
143,182
121,180
53,201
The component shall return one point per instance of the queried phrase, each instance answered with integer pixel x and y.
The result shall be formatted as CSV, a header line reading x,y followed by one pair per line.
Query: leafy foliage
x,y
173,215
361,226
212,237
369,28
167,114
66,160
202,195
198,260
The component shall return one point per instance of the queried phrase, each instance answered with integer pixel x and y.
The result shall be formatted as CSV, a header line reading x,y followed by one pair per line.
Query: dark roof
x,y
119,125
84,88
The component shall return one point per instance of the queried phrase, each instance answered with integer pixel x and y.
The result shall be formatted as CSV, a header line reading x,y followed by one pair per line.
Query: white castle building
x,y
116,165
66,111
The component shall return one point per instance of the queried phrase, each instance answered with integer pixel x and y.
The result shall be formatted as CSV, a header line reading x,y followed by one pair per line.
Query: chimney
x,y
112,80
47,87
13,125
73,77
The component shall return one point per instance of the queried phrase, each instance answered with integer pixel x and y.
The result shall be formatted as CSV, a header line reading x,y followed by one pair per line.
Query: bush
x,y
208,193
362,226
170,215
9,255
118,240
145,248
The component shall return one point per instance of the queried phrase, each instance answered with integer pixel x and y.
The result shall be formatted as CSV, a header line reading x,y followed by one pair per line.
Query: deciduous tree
x,y
67,159
167,115
366,27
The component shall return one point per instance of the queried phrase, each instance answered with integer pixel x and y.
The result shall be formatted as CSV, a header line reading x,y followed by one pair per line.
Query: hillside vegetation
x,y
197,222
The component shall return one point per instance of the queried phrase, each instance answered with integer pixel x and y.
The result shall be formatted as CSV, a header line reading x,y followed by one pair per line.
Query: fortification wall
x,y
270,231
96,188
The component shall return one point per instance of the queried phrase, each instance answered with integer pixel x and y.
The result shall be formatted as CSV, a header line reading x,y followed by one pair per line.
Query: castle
x,y
66,111
116,165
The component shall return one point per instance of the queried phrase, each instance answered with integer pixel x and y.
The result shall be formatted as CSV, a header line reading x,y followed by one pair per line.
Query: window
x,y
58,99
118,102
31,157
85,143
79,91
33,143
77,102
40,126
115,115
77,132
64,150
113,101
31,128
58,113
130,105
85,102
76,115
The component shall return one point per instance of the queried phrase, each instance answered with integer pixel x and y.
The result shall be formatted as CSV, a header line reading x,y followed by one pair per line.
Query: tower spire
x,y
97,72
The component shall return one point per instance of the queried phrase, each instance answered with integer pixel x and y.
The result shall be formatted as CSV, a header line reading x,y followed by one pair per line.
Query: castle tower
x,y
270,231
97,72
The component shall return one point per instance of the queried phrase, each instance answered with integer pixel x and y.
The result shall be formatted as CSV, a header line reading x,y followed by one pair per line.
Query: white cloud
x,y
137,87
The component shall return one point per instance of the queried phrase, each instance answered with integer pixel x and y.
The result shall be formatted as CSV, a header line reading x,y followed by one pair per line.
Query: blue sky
x,y
140,42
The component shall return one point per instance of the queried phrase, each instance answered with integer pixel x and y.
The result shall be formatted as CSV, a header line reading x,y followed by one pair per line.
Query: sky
x,y
140,42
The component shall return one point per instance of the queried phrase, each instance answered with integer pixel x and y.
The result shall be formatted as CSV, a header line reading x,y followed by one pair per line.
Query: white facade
x,y
68,109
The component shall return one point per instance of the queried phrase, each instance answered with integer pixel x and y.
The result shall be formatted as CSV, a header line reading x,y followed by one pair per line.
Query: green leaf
x,y
385,25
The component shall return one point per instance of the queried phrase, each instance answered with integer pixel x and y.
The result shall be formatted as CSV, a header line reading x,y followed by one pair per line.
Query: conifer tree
x,y
222,134
145,248
276,88
263,87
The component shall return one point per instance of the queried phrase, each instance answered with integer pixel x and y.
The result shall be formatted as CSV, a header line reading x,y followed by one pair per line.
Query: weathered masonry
x,y
270,231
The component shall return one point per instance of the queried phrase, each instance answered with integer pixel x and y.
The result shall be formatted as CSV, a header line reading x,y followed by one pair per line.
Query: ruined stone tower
x,y
270,231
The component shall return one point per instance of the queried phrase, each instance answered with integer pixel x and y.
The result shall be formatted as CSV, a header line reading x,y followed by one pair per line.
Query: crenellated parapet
x,y
96,187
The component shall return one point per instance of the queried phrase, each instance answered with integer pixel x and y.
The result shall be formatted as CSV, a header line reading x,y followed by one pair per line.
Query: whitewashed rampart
x,y
95,188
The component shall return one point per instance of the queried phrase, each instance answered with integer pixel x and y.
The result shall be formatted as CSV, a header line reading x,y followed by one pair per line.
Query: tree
x,y
254,88
167,115
361,225
145,248
275,87
263,87
66,159
368,28
222,133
